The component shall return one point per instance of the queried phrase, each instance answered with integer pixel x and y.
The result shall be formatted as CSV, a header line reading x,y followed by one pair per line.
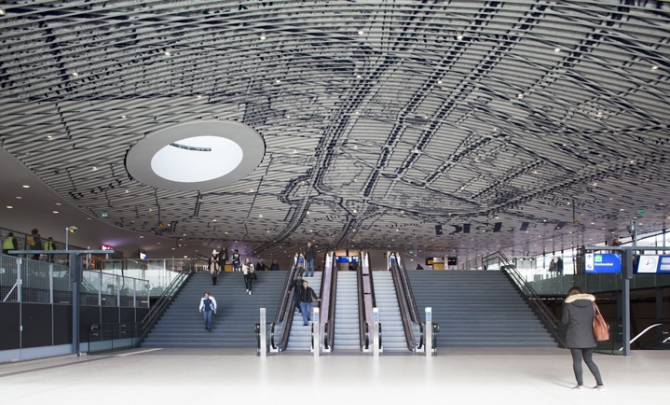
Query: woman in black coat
x,y
578,314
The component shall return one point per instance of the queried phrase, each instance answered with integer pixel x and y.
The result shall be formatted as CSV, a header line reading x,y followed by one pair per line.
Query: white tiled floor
x,y
456,376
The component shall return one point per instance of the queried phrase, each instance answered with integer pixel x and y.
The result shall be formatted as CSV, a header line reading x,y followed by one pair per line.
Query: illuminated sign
x,y
105,247
602,263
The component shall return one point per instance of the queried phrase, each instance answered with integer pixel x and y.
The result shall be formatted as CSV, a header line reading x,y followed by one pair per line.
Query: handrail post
x,y
263,334
375,332
316,338
429,333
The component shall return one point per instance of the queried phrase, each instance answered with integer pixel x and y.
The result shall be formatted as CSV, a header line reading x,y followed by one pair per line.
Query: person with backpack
x,y
207,308
35,242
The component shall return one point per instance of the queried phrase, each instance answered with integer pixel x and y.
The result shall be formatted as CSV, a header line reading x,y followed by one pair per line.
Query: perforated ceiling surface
x,y
500,121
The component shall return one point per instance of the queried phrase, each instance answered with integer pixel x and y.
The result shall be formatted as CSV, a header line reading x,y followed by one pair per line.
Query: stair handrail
x,y
329,326
547,317
162,303
284,315
405,303
328,291
366,305
656,339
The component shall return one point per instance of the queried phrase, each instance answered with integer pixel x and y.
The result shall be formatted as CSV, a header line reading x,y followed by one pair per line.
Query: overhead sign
x,y
602,263
651,264
105,215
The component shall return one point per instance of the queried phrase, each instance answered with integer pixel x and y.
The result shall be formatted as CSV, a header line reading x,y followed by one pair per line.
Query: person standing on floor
x,y
249,274
207,308
213,266
274,266
578,313
306,295
260,266
310,255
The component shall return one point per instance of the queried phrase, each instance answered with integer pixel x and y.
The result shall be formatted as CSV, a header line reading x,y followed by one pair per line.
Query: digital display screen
x,y
595,263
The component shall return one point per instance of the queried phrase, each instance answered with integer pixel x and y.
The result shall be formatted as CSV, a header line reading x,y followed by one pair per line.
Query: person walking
x,y
9,244
236,260
213,267
207,308
35,242
306,295
50,245
249,274
310,255
578,313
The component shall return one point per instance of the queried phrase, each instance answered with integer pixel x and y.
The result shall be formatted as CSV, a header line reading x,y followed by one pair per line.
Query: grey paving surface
x,y
458,376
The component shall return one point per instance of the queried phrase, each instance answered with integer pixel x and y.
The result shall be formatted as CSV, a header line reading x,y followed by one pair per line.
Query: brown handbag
x,y
600,328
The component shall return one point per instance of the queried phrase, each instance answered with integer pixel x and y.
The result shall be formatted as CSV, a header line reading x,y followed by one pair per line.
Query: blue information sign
x,y
602,263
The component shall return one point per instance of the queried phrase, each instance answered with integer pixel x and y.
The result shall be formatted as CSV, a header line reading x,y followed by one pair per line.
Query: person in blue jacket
x,y
207,308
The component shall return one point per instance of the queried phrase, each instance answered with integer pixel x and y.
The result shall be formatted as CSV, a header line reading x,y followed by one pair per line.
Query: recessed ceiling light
x,y
50,137
58,204
55,212
123,117
172,249
167,53
127,191
358,76
88,219
150,210
260,215
307,212
262,37
288,116
520,96
141,237
632,162
214,220
18,197
158,243
75,74
459,37
361,32
26,186
199,95
2,12
654,67
557,50
94,168
439,82
278,81
10,207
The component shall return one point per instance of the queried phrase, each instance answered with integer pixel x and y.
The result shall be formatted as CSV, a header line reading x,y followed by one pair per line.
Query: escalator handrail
x,y
329,326
327,302
284,315
362,325
411,314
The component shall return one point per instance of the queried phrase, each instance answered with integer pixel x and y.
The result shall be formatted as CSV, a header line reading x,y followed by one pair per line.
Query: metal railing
x,y
102,337
547,317
408,310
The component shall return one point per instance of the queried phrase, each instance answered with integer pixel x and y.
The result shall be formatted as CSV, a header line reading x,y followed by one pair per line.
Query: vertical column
x,y
19,297
51,283
263,334
75,278
429,332
316,335
627,274
375,332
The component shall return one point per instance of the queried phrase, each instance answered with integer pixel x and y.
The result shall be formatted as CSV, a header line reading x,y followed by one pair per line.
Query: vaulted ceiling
x,y
501,122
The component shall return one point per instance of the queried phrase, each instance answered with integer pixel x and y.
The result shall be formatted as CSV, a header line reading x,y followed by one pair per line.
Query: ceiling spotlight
x,y
278,81
50,137
75,74
2,12
167,53
123,117
654,67
439,82
26,186
199,96
520,96
260,215
557,50
459,37
10,207
262,37
141,237
214,220
94,168
361,32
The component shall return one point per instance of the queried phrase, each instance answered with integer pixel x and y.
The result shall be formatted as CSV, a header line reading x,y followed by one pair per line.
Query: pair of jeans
x,y
248,280
587,355
296,300
208,319
309,264
306,308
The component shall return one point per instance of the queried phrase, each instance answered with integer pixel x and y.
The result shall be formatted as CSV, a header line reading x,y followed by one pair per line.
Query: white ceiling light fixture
x,y
201,155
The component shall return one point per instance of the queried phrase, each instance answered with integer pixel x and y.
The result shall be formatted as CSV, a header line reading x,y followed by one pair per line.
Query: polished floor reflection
x,y
457,376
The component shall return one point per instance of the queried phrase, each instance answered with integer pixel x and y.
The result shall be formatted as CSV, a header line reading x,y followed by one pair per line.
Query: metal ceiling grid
x,y
454,112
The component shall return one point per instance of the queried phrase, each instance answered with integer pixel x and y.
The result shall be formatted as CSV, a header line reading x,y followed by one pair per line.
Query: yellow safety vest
x,y
9,243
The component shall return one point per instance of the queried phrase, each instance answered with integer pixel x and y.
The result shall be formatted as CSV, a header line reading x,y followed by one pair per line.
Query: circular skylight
x,y
201,158
201,155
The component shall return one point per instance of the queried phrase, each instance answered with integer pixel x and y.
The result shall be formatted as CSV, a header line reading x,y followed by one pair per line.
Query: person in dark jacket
x,y
310,255
578,313
306,295
274,266
260,266
213,266
296,285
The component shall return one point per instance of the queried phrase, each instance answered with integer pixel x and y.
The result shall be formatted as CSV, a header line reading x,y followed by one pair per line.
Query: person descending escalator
x,y
306,295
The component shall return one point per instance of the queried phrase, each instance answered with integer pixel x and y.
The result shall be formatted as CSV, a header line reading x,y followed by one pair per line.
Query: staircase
x,y
182,326
478,309
300,337
347,336
393,334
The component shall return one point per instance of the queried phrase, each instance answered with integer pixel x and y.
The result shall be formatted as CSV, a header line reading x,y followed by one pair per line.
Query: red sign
x,y
105,247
